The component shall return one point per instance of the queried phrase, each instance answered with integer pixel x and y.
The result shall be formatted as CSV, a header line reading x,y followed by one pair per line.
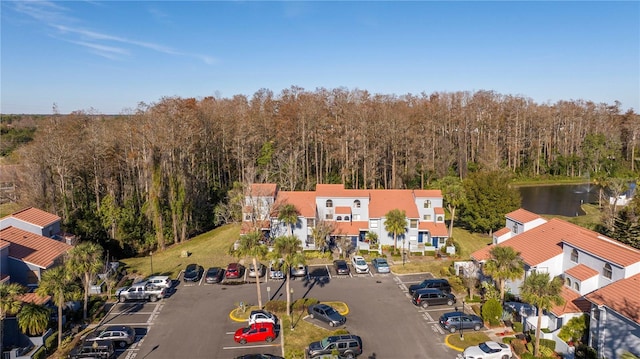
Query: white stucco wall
x,y
612,334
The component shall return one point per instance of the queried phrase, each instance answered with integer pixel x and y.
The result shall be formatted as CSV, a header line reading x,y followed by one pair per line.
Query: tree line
x,y
153,176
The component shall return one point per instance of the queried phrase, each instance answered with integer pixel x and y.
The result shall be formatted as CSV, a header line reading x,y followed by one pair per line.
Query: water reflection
x,y
564,200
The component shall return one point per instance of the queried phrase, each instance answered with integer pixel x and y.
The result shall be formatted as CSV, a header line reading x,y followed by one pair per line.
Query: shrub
x,y
51,343
430,253
317,254
304,303
517,327
508,340
546,352
364,252
547,343
40,353
276,306
575,329
527,355
584,351
492,311
518,347
416,254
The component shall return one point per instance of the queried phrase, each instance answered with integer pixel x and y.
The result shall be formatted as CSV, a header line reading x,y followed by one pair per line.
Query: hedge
x,y
51,343
40,353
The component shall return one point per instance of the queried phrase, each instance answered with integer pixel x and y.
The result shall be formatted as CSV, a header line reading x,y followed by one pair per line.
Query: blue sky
x,y
109,56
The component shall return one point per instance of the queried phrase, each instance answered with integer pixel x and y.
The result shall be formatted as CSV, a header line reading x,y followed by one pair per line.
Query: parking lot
x,y
194,321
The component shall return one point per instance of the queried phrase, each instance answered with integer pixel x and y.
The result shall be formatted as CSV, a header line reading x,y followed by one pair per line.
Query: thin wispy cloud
x,y
106,45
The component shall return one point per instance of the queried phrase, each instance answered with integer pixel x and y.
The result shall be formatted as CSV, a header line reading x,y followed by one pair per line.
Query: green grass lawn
x,y
470,338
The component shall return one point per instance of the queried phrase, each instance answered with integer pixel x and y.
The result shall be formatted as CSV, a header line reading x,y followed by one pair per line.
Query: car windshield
x,y
360,262
213,271
330,311
324,342
382,263
484,347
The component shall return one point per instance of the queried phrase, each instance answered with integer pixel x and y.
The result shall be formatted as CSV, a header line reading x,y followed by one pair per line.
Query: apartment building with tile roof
x,y
350,213
33,220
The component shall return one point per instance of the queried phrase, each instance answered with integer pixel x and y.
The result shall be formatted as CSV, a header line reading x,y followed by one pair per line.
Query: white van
x,y
161,281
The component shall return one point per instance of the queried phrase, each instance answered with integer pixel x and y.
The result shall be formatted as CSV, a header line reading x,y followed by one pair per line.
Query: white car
x,y
359,264
488,350
262,316
275,269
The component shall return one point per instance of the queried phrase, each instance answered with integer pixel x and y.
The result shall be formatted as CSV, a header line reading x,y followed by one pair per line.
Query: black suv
x,y
428,296
441,284
348,346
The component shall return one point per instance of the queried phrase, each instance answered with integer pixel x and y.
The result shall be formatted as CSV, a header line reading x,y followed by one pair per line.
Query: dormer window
x,y
329,203
356,203
339,218
346,218
567,281
574,255
576,286
607,272
427,203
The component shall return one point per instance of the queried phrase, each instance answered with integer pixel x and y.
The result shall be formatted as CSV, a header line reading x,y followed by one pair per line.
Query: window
x,y
442,241
373,223
574,255
356,203
339,218
515,229
247,217
346,218
440,219
607,272
567,281
328,216
413,223
576,286
427,203
329,203
356,217
426,217
311,222
32,277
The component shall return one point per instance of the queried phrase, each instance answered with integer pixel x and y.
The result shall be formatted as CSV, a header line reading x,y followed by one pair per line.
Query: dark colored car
x,y
441,284
234,271
326,314
101,349
453,321
257,332
193,272
121,335
258,356
214,275
427,297
347,346
342,268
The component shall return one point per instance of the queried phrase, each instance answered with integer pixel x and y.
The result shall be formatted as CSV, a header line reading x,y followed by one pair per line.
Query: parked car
x,y
437,283
381,265
453,321
347,346
427,297
121,335
101,349
192,272
234,270
326,314
140,291
488,350
162,281
275,269
342,268
253,273
299,270
214,275
257,332
258,356
262,316
359,264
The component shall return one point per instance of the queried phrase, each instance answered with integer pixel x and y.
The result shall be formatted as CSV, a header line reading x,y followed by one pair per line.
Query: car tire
x,y
349,355
450,303
243,341
269,339
505,357
452,329
122,344
477,327
153,298
311,316
425,305
122,299
332,324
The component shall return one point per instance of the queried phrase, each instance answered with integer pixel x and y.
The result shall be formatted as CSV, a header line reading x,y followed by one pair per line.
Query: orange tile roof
x,y
249,226
573,303
522,216
427,193
35,216
581,272
4,244
617,297
304,201
436,229
438,210
32,248
343,210
263,189
338,190
384,200
34,298
603,247
501,232
349,228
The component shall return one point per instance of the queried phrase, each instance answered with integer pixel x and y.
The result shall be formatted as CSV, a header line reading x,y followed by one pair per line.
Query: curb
x,y
240,320
446,342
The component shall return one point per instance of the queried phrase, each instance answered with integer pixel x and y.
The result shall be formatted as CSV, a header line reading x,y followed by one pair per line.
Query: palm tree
x,y
288,214
505,264
250,246
396,224
85,262
60,284
541,292
289,249
9,303
372,237
33,319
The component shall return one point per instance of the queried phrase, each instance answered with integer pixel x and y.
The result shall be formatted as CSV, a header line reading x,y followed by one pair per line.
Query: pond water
x,y
564,200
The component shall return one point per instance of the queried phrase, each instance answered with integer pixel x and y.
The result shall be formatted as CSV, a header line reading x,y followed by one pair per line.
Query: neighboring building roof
x,y
573,303
581,272
385,200
436,229
263,189
34,298
304,201
4,244
32,248
343,210
338,190
603,247
618,296
438,210
422,193
501,232
522,216
249,226
349,228
35,216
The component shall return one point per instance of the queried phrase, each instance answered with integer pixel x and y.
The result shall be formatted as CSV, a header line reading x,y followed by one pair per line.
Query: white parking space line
x,y
427,317
252,346
134,324
328,272
132,313
436,328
